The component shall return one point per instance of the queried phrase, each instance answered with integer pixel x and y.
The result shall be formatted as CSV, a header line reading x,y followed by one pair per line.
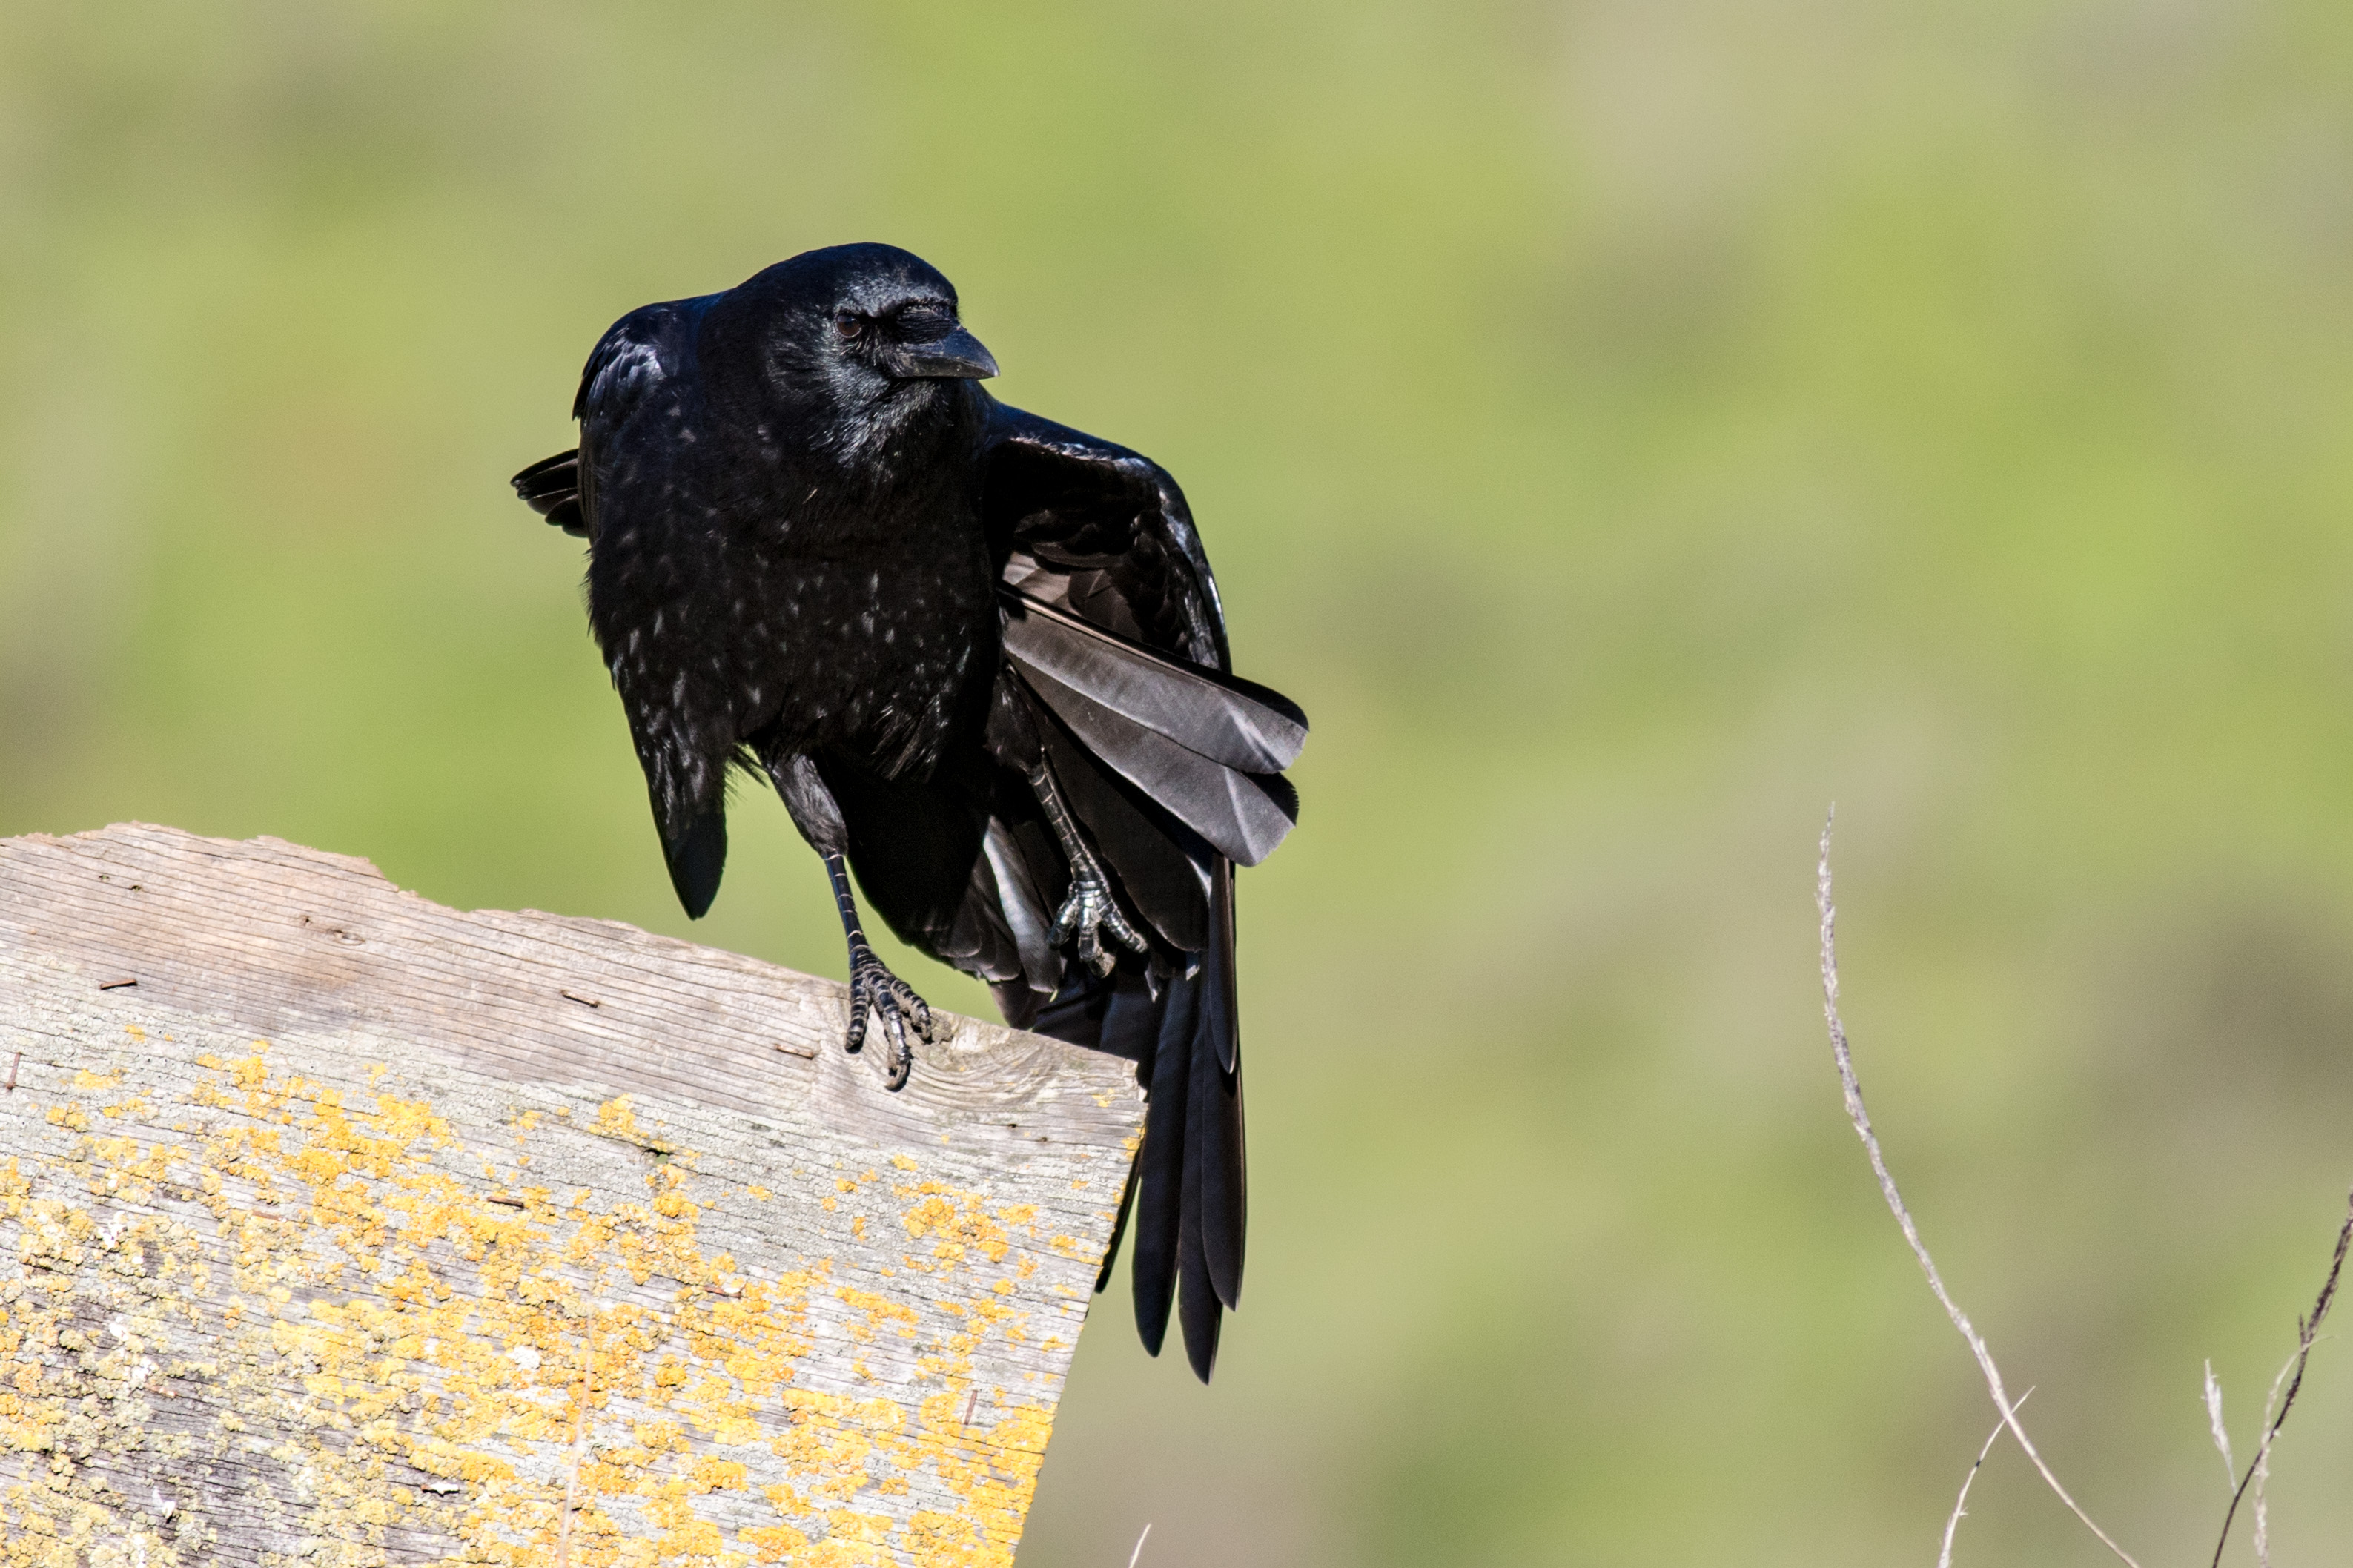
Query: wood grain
x,y
339,1227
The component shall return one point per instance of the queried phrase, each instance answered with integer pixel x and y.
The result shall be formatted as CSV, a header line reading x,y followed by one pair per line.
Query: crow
x,y
981,659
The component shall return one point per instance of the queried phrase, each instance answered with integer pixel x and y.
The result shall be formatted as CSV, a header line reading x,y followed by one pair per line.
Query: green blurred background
x,y
1626,426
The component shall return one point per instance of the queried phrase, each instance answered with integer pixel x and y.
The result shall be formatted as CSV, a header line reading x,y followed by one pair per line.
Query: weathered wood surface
x,y
360,1230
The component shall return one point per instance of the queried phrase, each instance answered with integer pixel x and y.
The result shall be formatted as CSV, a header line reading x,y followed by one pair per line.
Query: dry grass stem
x,y
2214,1425
1861,1120
2307,1329
2264,1471
1136,1556
1961,1503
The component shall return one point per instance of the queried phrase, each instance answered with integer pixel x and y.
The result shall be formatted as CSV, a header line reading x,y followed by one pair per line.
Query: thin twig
x,y
1961,1503
1136,1555
1862,1120
2307,1331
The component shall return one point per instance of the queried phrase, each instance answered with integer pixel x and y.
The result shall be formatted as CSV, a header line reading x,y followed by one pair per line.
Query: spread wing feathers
x,y
1237,814
1224,719
551,488
1172,767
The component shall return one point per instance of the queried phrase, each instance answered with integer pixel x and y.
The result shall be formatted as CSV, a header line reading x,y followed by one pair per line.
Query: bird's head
x,y
870,331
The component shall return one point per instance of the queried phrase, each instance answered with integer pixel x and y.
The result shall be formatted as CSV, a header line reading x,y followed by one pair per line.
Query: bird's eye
x,y
847,324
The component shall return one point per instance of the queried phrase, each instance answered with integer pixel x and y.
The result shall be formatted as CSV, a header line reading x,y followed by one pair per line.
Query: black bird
x,y
981,657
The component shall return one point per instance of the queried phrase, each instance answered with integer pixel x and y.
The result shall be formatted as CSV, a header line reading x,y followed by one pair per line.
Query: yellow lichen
x,y
615,1119
570,1374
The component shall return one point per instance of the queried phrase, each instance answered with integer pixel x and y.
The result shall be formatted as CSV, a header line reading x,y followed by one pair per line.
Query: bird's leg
x,y
1089,911
872,983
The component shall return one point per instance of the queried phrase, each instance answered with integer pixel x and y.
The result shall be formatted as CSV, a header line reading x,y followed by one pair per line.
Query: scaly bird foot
x,y
1087,913
872,985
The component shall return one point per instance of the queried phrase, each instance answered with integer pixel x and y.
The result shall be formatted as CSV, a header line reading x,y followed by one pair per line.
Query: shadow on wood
x,y
338,1225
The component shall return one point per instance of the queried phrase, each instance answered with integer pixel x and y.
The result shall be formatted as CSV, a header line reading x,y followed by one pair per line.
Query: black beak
x,y
956,357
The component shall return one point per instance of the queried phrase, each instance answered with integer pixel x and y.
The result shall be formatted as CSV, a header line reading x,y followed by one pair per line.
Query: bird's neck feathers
x,y
889,431
868,447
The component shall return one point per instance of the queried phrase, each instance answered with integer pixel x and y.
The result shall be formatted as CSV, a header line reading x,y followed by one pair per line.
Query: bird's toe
x,y
873,988
1089,914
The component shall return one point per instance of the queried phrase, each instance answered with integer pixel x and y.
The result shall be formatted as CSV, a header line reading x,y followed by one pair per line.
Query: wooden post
x,y
340,1228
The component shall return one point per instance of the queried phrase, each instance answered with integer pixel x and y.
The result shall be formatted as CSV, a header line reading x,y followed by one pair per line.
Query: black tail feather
x,y
1197,1308
1075,1014
1186,1194
1160,1165
1217,1108
1131,1025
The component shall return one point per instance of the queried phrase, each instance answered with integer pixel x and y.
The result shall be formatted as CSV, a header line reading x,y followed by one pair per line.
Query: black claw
x,y
1089,912
873,988
855,1040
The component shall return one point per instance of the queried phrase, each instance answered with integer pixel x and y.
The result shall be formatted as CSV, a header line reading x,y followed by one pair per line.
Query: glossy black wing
x,y
635,391
619,490
1115,641
628,368
1102,531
